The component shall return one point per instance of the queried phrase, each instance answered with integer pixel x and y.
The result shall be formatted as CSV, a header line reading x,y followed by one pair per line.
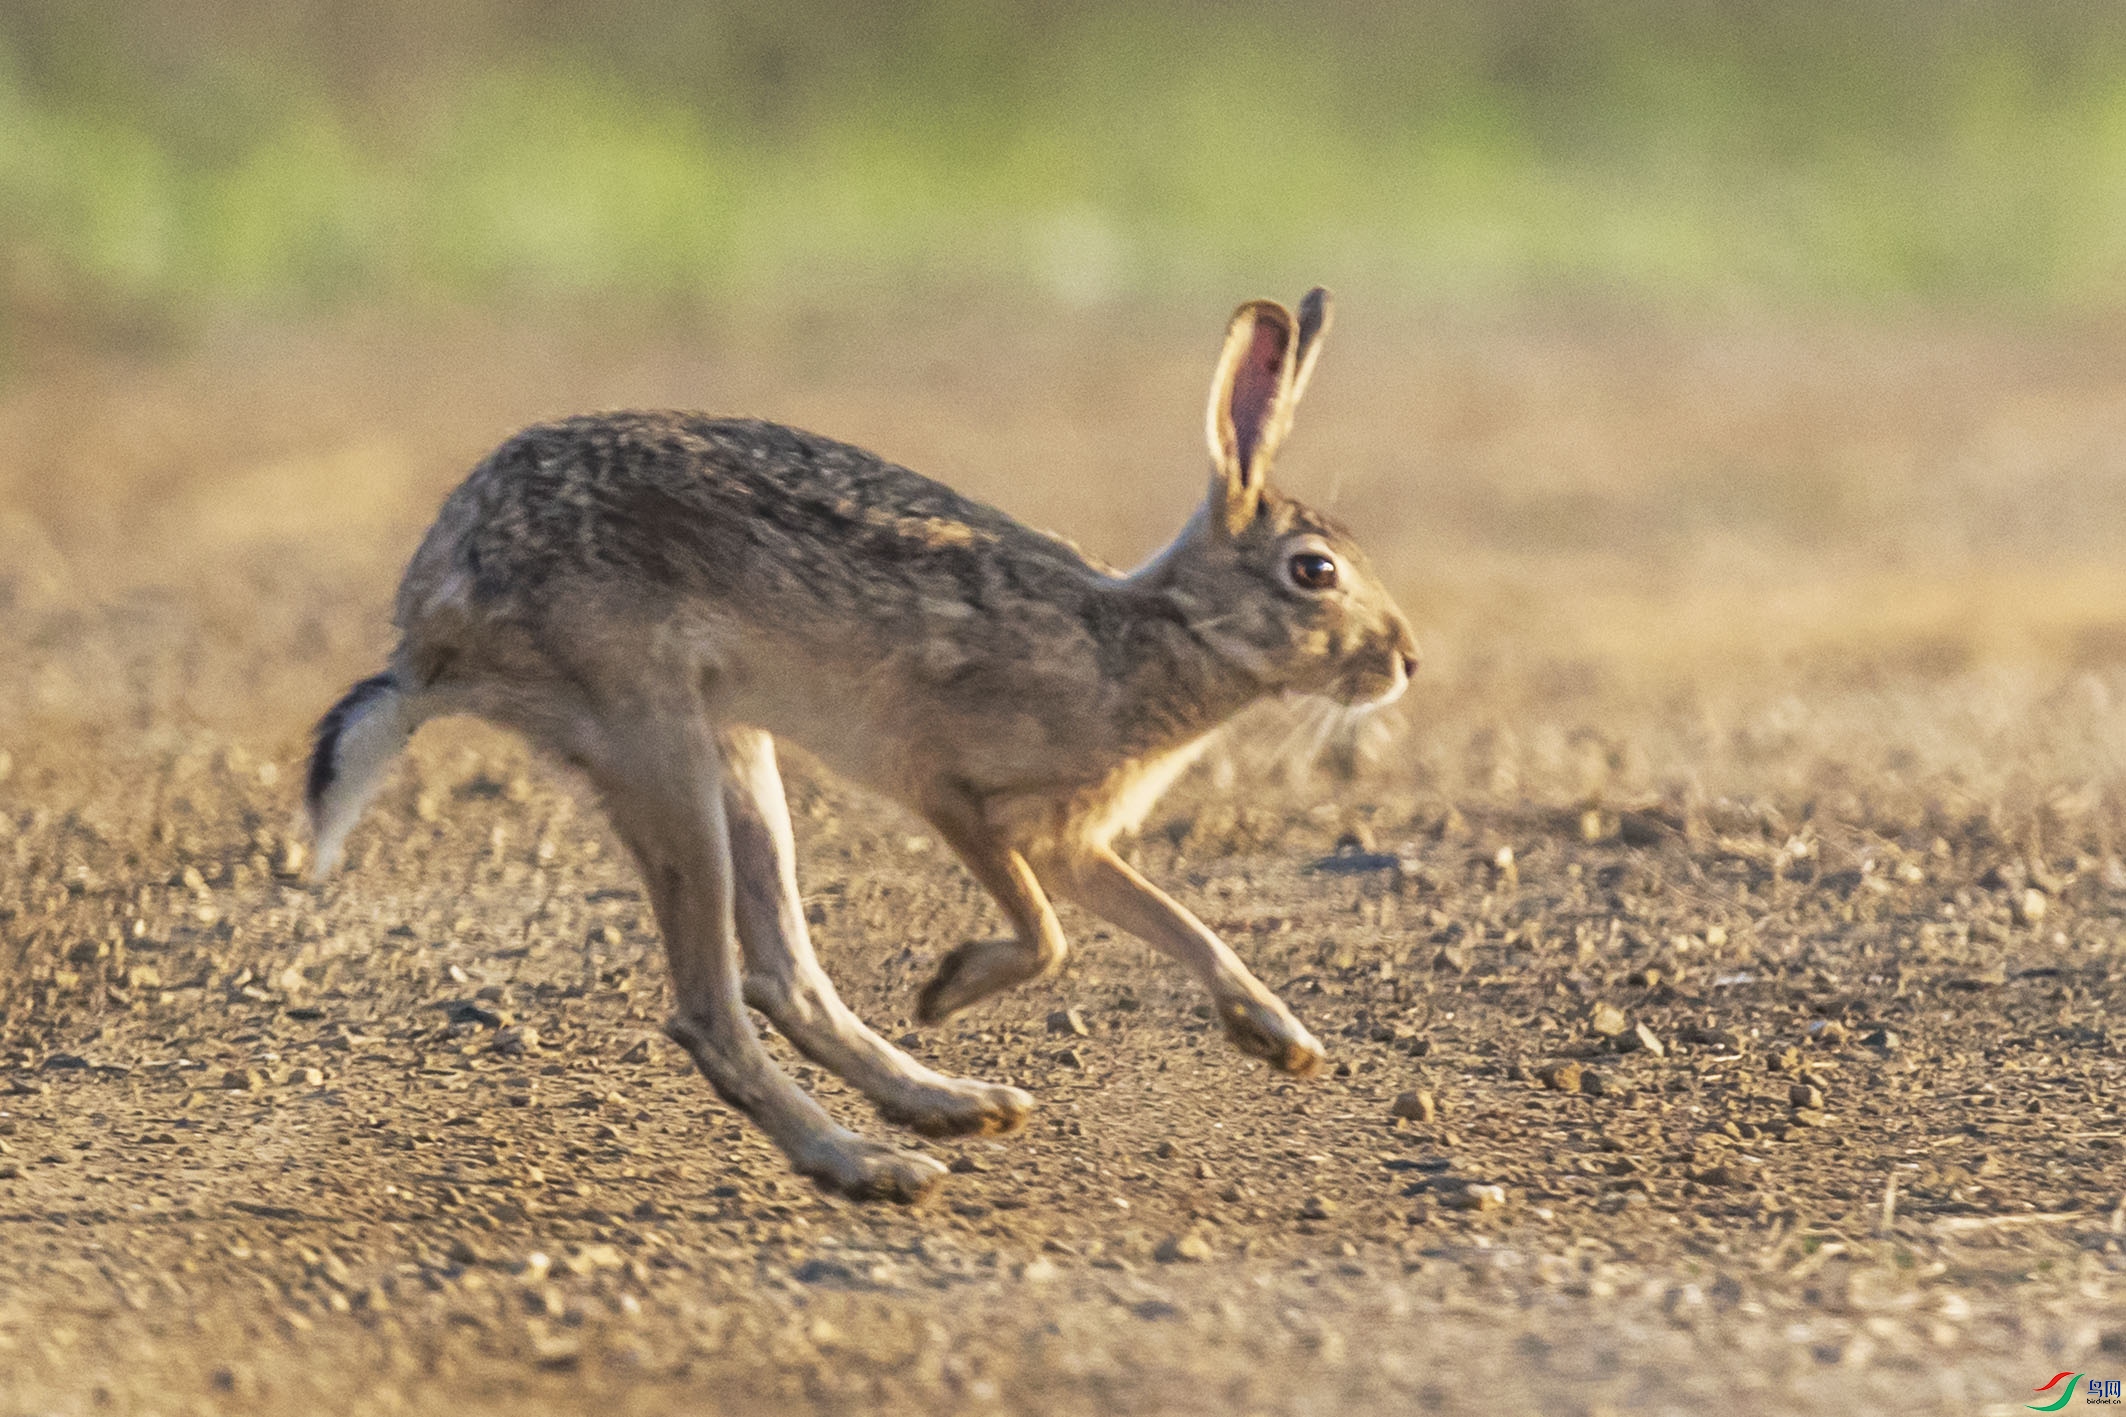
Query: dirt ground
x,y
1722,950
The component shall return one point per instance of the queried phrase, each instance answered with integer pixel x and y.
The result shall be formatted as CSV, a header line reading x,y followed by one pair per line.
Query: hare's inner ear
x,y
1257,384
1250,398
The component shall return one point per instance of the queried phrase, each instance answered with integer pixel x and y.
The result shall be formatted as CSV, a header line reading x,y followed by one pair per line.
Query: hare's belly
x,y
851,743
912,749
901,718
855,726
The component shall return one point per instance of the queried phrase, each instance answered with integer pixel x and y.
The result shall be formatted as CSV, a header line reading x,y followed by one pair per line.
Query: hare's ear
x,y
1316,313
1250,407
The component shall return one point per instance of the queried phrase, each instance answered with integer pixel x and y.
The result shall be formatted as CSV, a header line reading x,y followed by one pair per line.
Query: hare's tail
x,y
356,740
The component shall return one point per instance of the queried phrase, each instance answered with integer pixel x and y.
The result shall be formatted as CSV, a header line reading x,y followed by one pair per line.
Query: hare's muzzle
x,y
1400,669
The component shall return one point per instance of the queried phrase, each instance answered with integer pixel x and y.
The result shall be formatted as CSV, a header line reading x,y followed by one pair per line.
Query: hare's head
x,y
1276,588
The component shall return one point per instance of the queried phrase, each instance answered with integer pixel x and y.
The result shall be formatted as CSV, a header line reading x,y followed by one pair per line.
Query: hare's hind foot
x,y
958,1107
848,1165
973,972
805,1009
835,1158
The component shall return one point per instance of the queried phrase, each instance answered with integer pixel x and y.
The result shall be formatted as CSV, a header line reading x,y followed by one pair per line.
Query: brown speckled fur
x,y
651,595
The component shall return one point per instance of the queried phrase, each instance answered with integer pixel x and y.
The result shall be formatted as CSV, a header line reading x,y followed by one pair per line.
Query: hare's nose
x,y
1405,648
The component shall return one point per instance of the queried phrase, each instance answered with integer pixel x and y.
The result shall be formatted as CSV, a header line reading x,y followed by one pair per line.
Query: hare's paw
x,y
971,974
848,1165
1265,1028
960,1108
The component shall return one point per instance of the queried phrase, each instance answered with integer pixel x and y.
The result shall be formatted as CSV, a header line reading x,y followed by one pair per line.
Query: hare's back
x,y
658,504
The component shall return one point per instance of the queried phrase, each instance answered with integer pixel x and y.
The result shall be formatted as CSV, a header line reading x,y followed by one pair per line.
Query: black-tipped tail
x,y
325,743
355,741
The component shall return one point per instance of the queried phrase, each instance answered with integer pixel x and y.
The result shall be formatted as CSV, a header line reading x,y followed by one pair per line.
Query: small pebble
x,y
1068,1021
1561,1077
1317,1208
1608,1020
1646,1041
1475,1197
1191,1247
1417,1106
557,1351
516,1040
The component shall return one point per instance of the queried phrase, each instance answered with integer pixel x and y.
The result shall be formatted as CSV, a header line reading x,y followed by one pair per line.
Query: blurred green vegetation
x,y
180,159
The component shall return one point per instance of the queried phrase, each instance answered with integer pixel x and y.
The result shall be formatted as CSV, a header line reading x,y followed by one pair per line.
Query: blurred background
x,y
180,160
1726,385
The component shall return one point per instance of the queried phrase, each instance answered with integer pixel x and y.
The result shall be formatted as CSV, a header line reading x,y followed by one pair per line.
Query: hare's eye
x,y
1310,570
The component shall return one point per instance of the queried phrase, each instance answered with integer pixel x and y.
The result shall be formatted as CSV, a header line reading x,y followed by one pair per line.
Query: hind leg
x,y
784,979
659,774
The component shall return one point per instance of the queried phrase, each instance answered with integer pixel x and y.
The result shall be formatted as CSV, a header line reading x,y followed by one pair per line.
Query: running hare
x,y
650,596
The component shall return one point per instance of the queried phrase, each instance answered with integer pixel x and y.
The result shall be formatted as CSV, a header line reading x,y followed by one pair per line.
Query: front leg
x,y
981,968
1255,1019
